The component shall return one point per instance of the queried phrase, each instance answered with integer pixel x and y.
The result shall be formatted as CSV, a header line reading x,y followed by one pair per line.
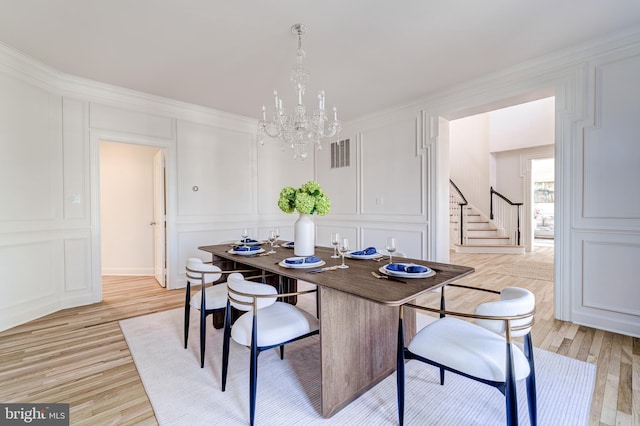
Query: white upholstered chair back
x,y
198,271
513,301
236,284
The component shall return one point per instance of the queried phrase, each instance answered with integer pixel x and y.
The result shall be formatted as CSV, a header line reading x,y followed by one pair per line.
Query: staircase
x,y
481,235
472,232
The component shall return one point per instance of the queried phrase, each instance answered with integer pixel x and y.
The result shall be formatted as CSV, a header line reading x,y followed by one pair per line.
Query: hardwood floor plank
x,y
625,390
79,356
635,386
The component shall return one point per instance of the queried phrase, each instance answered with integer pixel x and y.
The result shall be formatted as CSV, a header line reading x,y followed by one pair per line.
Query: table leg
x,y
358,340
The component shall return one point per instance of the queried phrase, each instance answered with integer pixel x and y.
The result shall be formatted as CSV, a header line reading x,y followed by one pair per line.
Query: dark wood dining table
x,y
358,315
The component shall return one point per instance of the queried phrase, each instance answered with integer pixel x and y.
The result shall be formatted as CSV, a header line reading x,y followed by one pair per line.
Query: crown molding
x,y
29,70
520,78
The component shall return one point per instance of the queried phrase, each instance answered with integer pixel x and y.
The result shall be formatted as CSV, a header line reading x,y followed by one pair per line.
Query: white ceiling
x,y
366,54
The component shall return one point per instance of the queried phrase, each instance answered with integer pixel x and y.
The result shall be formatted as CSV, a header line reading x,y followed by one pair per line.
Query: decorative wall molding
x,y
605,277
36,73
570,75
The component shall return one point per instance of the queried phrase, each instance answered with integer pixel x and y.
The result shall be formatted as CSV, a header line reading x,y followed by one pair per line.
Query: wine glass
x,y
335,240
391,247
272,239
277,233
244,234
343,248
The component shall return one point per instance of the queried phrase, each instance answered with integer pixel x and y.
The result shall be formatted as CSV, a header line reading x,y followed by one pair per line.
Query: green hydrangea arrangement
x,y
308,199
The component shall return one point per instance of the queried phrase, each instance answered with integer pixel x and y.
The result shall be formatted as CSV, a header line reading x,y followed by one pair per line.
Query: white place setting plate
x,y
352,255
305,265
426,274
246,252
288,245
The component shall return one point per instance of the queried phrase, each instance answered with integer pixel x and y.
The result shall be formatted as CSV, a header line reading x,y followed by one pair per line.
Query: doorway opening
x,y
510,167
543,185
133,210
496,147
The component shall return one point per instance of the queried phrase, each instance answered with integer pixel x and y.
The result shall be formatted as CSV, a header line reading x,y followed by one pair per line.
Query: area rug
x,y
525,269
182,393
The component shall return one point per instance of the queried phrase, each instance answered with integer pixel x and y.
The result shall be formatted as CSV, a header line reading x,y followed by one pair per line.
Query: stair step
x,y
488,240
483,233
484,248
469,219
493,231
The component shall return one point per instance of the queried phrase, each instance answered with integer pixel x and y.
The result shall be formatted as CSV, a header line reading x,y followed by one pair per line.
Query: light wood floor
x,y
79,356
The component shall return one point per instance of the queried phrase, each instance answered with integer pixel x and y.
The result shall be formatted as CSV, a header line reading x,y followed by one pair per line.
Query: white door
x,y
159,218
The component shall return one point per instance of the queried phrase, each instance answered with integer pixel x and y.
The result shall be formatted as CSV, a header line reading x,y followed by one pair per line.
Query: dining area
x,y
358,299
364,313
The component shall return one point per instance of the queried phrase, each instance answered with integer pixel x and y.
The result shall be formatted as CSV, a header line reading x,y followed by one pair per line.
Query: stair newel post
x,y
461,203
491,202
461,224
518,226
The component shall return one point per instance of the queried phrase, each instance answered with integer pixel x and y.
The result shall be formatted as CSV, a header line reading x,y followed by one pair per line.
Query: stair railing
x,y
456,208
506,215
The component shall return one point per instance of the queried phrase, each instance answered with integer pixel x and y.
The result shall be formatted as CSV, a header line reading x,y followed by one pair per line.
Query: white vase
x,y
304,236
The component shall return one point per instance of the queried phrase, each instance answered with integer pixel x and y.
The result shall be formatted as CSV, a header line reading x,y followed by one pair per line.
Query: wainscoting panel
x,y
201,235
77,271
324,230
409,240
31,279
610,281
605,274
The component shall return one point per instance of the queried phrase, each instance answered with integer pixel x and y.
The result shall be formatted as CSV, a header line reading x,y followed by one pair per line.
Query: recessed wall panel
x,y
611,148
28,273
324,231
215,173
391,170
30,152
408,241
76,194
77,259
609,276
340,183
276,169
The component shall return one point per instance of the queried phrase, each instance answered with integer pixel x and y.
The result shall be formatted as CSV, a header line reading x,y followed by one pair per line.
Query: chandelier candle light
x,y
299,129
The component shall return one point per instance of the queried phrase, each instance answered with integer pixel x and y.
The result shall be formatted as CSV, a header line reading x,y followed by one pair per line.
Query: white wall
x,y
469,140
58,128
126,208
45,257
523,126
606,200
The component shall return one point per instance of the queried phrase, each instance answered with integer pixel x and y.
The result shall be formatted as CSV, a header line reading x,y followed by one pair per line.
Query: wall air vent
x,y
340,154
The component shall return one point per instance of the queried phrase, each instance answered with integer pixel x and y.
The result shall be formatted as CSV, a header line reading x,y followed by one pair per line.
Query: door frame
x,y
95,137
566,86
526,163
159,221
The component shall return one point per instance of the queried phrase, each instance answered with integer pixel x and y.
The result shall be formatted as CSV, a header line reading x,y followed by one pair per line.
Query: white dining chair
x,y
265,324
211,298
481,351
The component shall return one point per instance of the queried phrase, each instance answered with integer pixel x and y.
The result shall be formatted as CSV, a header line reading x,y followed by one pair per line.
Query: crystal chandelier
x,y
298,128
